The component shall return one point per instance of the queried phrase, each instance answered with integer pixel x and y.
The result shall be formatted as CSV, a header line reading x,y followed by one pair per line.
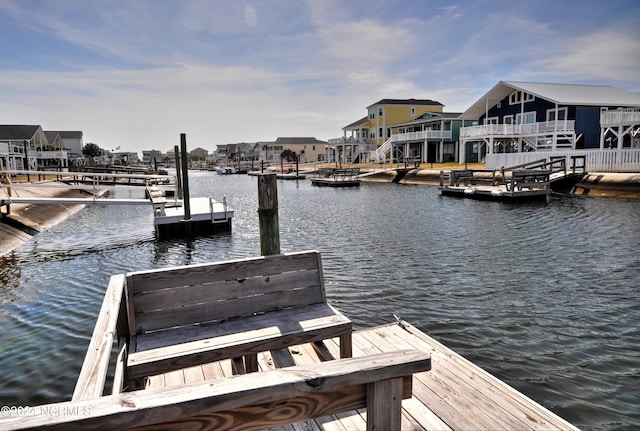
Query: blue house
x,y
518,122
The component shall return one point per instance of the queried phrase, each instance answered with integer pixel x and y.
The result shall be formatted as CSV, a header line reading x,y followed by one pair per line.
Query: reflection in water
x,y
10,273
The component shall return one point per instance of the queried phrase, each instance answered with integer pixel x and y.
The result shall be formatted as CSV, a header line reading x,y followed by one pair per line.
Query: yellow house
x,y
387,112
368,134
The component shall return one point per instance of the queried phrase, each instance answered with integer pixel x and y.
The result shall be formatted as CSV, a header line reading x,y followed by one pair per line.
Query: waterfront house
x,y
431,137
369,139
198,154
19,145
151,157
308,149
519,122
72,143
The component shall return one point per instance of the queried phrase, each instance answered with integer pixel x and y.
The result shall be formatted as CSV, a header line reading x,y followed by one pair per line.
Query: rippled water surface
x,y
545,296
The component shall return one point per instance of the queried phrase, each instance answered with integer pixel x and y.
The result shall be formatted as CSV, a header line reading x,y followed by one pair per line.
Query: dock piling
x,y
268,214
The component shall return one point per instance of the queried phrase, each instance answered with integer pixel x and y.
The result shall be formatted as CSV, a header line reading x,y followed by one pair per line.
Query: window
x,y
380,111
520,96
508,119
491,120
372,133
413,111
380,132
560,114
526,118
372,114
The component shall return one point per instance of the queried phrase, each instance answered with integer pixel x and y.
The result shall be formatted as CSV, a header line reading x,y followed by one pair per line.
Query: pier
x,y
528,182
391,377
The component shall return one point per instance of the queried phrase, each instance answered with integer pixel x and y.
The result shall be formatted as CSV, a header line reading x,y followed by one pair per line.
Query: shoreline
x,y
595,184
24,221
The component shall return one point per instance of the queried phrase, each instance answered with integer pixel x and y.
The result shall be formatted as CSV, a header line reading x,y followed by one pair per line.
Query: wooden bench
x,y
376,382
528,178
191,315
465,176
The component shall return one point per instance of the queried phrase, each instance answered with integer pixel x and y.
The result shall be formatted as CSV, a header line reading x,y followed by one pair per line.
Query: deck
x,y
454,395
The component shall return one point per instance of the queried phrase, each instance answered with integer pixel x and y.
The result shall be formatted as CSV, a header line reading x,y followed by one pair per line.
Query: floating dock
x,y
530,182
349,177
207,216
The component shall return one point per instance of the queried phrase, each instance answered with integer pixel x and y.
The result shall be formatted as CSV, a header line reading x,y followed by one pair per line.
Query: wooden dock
x,y
216,364
454,395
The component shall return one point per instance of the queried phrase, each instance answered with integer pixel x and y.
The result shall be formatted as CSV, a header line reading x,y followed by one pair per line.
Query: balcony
x,y
530,129
421,135
60,154
620,117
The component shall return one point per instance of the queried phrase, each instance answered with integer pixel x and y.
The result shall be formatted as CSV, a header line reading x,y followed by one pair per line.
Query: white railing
x,y
544,127
348,140
627,160
620,117
51,154
421,135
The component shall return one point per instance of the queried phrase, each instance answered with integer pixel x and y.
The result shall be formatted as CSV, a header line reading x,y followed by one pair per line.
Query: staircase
x,y
380,154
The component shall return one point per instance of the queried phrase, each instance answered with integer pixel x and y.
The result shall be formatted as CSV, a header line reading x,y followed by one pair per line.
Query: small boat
x,y
225,170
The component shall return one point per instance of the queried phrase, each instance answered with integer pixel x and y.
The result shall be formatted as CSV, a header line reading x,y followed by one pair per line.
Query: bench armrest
x,y
271,398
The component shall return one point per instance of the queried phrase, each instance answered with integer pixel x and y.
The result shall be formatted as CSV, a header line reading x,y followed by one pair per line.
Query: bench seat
x,y
162,351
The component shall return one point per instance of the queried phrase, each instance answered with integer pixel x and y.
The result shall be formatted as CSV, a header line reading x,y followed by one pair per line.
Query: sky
x,y
135,74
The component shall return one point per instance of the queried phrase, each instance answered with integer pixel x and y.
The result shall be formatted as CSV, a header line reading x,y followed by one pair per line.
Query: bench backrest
x,y
187,295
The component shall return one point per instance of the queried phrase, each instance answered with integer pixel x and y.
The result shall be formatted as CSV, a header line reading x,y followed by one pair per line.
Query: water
x,y
544,296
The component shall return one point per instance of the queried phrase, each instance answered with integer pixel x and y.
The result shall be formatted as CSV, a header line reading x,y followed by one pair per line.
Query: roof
x,y
17,131
298,141
71,134
356,124
562,94
429,117
405,102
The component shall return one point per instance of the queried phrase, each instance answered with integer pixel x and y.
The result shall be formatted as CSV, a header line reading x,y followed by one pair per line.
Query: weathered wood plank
x,y
384,405
511,407
142,281
148,362
227,290
92,376
214,311
277,397
294,319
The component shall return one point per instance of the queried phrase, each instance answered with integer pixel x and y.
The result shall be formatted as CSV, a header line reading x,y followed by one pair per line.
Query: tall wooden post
x,y
268,214
185,179
176,152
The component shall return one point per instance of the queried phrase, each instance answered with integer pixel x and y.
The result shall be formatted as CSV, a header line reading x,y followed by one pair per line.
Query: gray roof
x,y
356,124
430,117
71,134
562,94
298,141
10,132
416,102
